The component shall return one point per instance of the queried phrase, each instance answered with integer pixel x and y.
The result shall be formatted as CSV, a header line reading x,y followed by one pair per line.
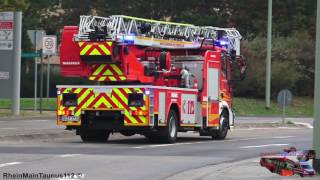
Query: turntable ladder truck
x,y
149,77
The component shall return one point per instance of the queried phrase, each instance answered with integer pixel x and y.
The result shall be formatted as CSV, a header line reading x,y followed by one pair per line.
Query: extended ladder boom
x,y
148,32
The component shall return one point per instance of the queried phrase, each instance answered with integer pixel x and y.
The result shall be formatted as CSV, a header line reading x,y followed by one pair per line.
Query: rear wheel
x,y
127,133
95,136
224,127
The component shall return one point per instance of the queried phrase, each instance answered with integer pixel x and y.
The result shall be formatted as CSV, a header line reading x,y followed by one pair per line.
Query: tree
x,y
13,5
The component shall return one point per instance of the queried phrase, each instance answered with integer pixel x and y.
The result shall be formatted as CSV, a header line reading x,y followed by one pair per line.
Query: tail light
x,y
69,100
136,100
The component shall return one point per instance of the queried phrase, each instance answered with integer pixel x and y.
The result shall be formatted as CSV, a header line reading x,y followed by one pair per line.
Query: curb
x,y
242,169
36,136
307,125
268,125
17,118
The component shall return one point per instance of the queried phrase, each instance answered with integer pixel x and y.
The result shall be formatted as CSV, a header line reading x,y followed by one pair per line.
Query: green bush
x,y
292,66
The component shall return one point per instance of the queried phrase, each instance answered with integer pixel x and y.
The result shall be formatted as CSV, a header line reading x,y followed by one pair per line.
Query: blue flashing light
x,y
128,39
221,43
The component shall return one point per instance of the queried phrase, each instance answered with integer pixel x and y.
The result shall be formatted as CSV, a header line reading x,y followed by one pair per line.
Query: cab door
x,y
213,93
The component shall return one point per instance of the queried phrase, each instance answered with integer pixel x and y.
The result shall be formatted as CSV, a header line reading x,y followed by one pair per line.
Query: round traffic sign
x,y
48,43
284,97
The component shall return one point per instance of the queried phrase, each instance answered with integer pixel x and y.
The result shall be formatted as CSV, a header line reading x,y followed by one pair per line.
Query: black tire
x,y
224,127
171,131
95,136
127,133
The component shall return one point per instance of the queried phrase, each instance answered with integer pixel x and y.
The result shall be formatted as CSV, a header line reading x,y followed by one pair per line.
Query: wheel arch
x,y
175,107
224,106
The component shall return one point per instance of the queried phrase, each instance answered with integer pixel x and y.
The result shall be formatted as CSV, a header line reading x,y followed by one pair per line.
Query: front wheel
x,y
169,133
224,127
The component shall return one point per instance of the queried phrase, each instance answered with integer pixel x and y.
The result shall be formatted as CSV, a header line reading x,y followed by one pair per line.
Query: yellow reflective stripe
x,y
89,101
77,90
98,70
116,69
143,119
107,73
80,44
71,108
124,99
104,49
102,78
65,91
123,78
86,49
81,98
138,90
95,52
84,95
112,78
109,43
126,113
92,78
104,100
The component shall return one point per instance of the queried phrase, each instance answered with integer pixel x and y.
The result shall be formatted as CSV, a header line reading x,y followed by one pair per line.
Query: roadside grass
x,y
28,103
27,113
301,106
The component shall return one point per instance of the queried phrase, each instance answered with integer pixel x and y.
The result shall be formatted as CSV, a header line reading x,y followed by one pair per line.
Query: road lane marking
x,y
200,142
282,137
165,145
68,155
246,139
271,128
288,128
10,164
264,145
31,121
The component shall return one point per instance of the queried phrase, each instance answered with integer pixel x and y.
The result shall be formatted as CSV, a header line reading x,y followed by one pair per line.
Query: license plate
x,y
69,118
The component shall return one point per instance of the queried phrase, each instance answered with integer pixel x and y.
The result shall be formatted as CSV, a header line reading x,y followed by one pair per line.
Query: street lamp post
x,y
268,61
316,129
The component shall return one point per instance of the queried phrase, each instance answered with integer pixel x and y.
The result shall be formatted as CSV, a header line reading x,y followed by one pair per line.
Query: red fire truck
x,y
149,77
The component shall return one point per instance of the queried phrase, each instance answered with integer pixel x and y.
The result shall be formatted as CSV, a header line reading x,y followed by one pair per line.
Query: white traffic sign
x,y
49,45
6,30
6,16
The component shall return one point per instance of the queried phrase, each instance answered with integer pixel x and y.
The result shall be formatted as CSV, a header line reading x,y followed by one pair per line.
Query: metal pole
x,y
16,63
316,123
268,62
41,84
48,77
35,73
284,108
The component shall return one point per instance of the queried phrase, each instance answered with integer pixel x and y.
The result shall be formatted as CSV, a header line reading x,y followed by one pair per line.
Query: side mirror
x,y
239,68
233,55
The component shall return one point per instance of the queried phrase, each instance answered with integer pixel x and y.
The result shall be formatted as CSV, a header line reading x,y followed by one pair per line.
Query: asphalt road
x,y
135,158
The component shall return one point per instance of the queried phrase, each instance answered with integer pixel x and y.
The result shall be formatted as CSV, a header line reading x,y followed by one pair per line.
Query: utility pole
x,y
48,77
41,83
16,63
316,128
268,61
35,73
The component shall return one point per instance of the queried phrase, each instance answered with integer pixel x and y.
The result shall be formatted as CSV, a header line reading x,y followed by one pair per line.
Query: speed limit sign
x,y
49,45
